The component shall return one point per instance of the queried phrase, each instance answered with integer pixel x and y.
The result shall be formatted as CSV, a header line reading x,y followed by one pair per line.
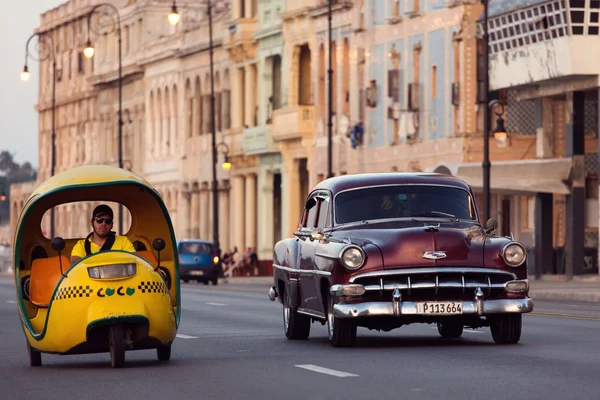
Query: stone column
x,y
224,217
248,96
239,222
290,193
265,216
204,212
237,101
157,124
166,117
250,210
183,216
173,124
248,9
195,233
575,237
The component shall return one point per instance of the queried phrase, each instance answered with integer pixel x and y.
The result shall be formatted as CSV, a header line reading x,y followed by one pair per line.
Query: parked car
x,y
198,260
391,249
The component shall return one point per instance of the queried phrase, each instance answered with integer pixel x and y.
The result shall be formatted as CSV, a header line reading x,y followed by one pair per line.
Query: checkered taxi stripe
x,y
153,287
71,292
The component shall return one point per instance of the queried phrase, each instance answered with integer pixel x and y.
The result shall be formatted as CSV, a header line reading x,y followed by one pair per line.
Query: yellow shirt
x,y
121,243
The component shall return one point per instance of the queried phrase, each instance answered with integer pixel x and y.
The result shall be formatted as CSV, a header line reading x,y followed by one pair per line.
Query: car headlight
x,y
352,257
112,271
514,254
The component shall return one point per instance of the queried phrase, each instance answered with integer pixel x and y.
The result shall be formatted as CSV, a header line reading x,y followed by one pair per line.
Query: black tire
x,y
296,326
506,329
186,280
450,329
204,281
164,353
342,332
35,357
116,344
215,281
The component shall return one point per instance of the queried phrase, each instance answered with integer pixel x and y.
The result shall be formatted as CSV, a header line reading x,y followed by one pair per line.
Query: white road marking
x,y
182,336
11,301
217,304
327,371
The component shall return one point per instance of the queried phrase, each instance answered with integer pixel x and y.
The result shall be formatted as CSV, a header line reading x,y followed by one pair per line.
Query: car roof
x,y
179,241
344,182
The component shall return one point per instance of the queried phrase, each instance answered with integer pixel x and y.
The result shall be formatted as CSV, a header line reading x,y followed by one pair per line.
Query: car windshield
x,y
403,201
195,248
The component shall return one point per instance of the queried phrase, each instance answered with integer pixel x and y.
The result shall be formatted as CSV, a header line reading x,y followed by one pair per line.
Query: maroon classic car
x,y
391,249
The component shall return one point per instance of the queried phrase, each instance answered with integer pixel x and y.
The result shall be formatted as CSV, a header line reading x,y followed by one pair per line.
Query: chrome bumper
x,y
397,309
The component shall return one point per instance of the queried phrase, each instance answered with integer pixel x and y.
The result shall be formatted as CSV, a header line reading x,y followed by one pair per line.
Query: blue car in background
x,y
198,261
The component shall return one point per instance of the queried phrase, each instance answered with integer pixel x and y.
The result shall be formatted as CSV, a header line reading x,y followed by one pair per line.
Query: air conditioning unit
x,y
414,96
456,94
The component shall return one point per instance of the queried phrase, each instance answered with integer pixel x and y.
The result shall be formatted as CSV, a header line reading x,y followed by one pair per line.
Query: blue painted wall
x,y
390,65
436,108
450,47
377,68
375,13
434,5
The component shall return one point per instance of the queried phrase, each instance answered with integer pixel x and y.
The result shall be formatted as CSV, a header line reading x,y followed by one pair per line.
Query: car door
x,y
306,281
325,252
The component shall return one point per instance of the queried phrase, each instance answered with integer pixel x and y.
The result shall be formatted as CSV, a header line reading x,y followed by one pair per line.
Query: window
x,y
403,202
310,213
195,248
323,221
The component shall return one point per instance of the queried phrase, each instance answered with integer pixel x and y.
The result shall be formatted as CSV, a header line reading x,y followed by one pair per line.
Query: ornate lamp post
x,y
46,51
330,94
109,20
216,6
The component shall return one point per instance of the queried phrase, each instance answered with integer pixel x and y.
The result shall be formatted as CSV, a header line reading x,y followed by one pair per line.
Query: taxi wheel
x,y
164,353
342,332
35,357
116,343
296,326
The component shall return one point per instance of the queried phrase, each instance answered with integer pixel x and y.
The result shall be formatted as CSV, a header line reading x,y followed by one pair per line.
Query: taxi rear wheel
x,y
164,353
506,329
296,326
450,329
116,343
35,357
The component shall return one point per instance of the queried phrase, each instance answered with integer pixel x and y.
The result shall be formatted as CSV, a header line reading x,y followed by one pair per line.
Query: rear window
x,y
195,248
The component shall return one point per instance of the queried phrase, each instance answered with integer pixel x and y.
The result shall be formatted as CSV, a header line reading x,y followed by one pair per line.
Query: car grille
x,y
438,283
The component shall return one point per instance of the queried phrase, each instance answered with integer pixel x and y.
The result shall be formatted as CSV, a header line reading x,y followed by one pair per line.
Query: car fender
x,y
286,254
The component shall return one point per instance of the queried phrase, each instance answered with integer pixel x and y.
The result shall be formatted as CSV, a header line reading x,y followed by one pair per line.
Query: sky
x,y
18,118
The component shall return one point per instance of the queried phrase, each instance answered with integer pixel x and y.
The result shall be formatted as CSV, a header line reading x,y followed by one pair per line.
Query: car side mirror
x,y
159,245
491,225
317,234
58,244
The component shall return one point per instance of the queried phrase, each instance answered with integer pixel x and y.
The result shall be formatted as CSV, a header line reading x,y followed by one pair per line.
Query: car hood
x,y
408,243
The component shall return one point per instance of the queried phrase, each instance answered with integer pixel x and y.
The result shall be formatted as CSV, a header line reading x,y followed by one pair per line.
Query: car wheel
x,y
164,353
506,329
215,281
450,329
204,281
296,326
35,357
186,280
342,332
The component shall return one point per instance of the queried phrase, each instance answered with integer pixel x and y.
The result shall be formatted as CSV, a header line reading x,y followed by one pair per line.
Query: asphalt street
x,y
231,346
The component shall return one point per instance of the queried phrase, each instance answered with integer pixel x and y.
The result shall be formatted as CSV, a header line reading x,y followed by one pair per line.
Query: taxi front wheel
x,y
164,353
116,343
35,357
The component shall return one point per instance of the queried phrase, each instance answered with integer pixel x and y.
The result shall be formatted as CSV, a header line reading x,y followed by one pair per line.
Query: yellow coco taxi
x,y
109,301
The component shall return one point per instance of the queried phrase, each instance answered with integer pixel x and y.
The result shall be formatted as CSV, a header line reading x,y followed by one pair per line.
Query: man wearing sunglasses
x,y
101,238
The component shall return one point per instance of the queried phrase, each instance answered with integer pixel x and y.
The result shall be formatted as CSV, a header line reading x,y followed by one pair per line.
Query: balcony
x,y
293,122
548,40
259,140
240,31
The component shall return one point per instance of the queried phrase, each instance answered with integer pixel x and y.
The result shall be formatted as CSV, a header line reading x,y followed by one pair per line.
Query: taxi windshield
x,y
195,248
403,201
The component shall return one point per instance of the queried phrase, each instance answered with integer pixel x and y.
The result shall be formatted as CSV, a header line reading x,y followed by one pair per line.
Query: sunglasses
x,y
109,221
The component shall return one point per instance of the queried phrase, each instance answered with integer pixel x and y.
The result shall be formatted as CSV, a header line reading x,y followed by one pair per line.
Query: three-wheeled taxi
x,y
111,301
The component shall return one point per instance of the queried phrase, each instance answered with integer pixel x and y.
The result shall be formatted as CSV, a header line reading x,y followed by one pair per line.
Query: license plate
x,y
196,272
440,308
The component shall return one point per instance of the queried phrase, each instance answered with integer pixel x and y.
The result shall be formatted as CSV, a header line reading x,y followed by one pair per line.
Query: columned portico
x,y
204,213
250,187
195,205
239,212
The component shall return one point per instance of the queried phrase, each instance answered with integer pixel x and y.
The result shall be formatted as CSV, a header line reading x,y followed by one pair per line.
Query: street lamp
x,y
226,163
218,6
46,51
500,131
108,21
330,95
486,165
174,15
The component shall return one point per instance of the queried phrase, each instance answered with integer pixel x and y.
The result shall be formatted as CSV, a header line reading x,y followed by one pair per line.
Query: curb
x,y
588,297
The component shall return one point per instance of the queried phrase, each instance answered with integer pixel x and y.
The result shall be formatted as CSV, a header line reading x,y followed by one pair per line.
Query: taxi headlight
x,y
514,254
112,271
352,257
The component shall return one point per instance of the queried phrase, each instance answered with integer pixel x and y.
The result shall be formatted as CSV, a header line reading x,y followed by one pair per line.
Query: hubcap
x,y
330,320
286,317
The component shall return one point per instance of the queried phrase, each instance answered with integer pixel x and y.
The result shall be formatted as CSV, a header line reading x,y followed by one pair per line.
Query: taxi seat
x,y
45,275
148,255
